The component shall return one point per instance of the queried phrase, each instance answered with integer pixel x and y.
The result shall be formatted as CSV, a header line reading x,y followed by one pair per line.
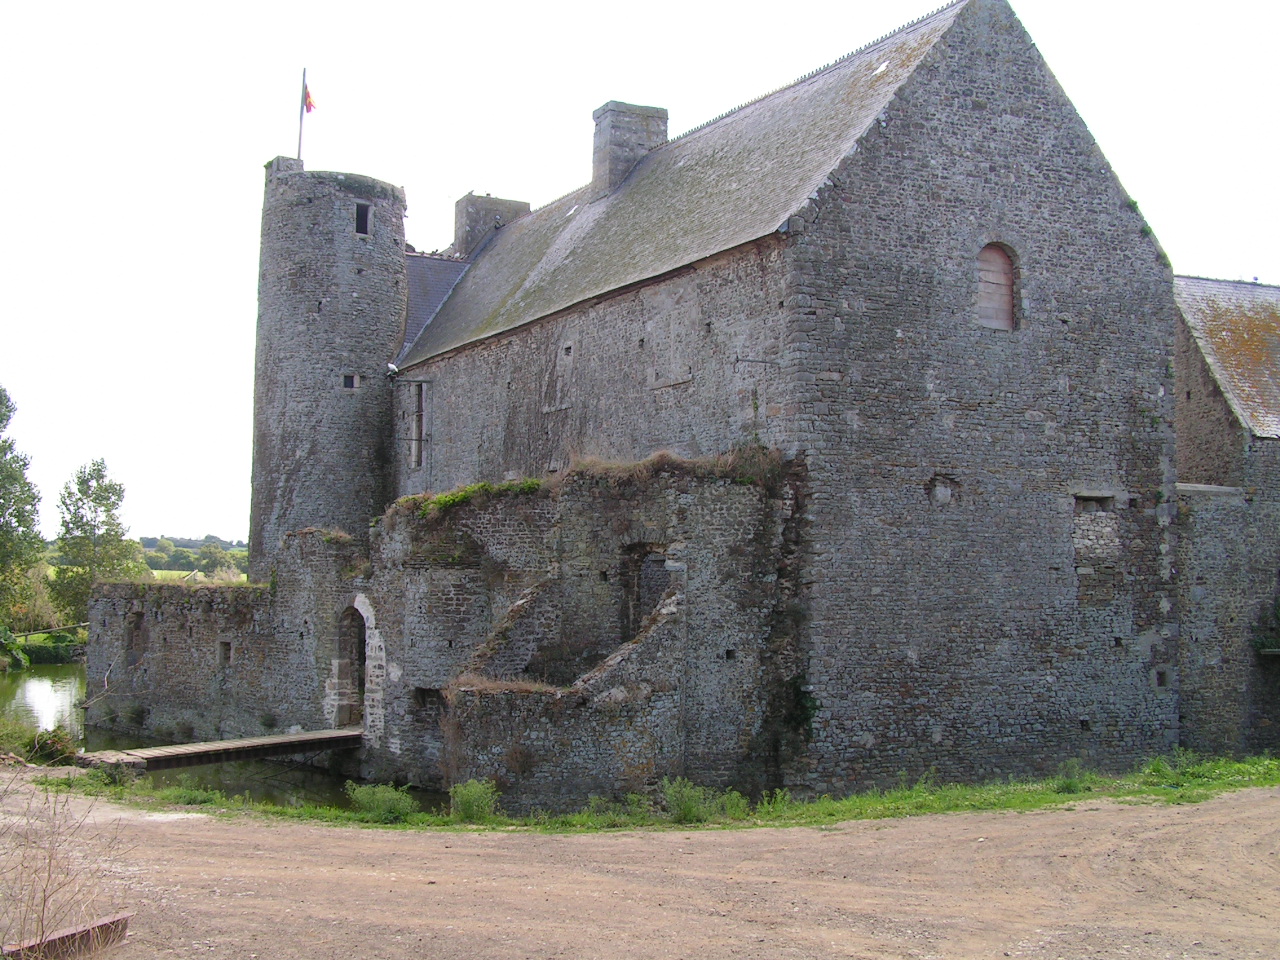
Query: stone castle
x,y
862,430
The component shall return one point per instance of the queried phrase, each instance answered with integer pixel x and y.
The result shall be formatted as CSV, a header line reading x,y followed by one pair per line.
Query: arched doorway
x,y
351,667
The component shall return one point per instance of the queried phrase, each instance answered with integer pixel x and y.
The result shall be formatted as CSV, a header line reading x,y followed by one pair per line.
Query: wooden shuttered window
x,y
995,288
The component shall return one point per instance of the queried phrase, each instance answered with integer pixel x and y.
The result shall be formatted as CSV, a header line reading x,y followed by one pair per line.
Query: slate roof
x,y
1237,326
731,181
430,280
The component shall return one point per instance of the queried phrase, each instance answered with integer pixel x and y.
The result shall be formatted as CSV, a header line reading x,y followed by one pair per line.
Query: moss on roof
x,y
1237,326
731,181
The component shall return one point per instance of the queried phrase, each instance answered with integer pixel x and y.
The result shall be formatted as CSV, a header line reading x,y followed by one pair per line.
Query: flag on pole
x,y
305,106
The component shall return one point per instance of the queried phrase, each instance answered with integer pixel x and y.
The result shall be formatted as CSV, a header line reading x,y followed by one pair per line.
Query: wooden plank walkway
x,y
216,751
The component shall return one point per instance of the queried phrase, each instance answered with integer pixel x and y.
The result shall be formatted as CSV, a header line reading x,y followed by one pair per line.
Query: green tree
x,y
93,542
164,546
213,558
182,559
20,542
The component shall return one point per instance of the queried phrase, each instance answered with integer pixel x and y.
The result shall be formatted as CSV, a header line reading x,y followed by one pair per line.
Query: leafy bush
x,y
687,802
733,806
381,802
773,804
475,801
37,746
11,651
53,651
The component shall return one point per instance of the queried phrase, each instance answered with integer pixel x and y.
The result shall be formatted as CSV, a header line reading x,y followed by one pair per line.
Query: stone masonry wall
x,y
688,364
1211,442
628,622
1229,581
187,662
331,311
989,555
212,662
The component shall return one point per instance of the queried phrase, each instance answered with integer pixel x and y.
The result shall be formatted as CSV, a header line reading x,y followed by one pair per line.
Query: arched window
x,y
995,288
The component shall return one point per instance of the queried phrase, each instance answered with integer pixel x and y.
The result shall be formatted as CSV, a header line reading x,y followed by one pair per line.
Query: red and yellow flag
x,y
306,99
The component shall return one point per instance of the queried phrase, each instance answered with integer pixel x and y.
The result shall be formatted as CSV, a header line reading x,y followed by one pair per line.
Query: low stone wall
x,y
207,662
182,662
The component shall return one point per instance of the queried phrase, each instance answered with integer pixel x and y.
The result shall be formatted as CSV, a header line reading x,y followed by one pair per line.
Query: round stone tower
x,y
331,309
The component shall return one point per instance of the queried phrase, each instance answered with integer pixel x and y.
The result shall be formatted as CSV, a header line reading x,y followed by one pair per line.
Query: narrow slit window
x,y
995,288
418,422
362,218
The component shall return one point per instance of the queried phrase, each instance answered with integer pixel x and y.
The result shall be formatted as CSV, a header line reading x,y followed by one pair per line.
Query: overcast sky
x,y
135,136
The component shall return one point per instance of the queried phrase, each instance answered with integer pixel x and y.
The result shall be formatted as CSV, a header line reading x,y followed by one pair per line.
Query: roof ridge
x,y
1245,283
813,73
764,96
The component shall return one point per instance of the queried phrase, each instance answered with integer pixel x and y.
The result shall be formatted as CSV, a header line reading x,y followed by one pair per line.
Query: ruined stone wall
x,y
188,663
688,364
590,638
989,544
210,662
1229,580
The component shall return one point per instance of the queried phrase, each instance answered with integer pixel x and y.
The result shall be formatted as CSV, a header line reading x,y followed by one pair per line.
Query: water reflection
x,y
45,695
48,695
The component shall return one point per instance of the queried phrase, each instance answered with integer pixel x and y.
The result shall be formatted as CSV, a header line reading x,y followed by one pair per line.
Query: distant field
x,y
179,574
170,574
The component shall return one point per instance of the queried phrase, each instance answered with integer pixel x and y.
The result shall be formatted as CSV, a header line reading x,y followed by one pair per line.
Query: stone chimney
x,y
624,134
475,218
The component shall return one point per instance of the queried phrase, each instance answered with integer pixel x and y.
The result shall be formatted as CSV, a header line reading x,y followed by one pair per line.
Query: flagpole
x,y
302,109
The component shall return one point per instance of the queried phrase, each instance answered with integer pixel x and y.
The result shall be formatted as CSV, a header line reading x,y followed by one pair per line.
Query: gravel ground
x,y
1100,880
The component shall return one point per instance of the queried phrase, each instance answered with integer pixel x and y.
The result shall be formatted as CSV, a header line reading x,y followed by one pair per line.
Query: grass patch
x,y
1181,778
434,506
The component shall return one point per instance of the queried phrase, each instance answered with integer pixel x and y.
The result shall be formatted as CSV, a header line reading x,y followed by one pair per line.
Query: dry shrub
x,y
481,684
53,864
747,465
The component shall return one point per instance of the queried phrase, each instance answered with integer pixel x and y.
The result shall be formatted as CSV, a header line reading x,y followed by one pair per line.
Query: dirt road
x,y
1100,881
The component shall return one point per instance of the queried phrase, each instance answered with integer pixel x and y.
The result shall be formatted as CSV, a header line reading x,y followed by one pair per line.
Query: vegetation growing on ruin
x,y
750,465
1266,635
481,684
1181,778
433,506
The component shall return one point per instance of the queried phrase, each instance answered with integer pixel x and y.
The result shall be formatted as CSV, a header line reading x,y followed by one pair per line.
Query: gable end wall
x,y
964,618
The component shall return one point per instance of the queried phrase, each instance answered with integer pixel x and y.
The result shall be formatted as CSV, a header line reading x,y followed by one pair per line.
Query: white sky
x,y
136,134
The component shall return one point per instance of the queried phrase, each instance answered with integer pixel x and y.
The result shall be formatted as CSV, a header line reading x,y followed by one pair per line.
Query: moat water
x,y
46,696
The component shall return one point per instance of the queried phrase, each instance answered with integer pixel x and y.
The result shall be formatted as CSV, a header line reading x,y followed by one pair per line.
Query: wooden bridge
x,y
216,751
